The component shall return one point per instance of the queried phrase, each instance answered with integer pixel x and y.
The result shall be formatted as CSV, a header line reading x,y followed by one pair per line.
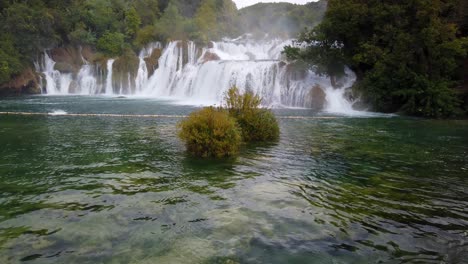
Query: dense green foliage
x,y
406,53
257,124
111,26
217,132
111,43
210,132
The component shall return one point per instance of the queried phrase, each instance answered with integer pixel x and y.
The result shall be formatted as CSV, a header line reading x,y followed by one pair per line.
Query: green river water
x,y
100,189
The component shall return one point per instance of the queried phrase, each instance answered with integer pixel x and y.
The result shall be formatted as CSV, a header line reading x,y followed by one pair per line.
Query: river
x,y
365,188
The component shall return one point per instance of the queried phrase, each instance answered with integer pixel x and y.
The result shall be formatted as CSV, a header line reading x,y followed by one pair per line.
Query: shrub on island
x,y
257,124
218,132
210,132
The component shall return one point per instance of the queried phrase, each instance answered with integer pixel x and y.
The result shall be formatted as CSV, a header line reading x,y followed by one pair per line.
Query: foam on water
x,y
58,112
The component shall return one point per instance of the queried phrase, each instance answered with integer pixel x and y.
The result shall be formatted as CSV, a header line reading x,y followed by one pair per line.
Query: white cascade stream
x,y
201,76
109,89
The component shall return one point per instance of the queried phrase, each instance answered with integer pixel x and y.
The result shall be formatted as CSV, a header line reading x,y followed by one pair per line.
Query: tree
x,y
132,21
9,60
206,21
148,10
171,23
405,53
111,43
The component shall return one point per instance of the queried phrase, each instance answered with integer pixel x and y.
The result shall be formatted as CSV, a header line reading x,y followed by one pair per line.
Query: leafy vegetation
x,y
111,26
217,132
111,43
257,124
210,132
406,53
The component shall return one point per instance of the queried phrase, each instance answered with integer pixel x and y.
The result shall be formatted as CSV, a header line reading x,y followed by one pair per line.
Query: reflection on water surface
x,y
121,190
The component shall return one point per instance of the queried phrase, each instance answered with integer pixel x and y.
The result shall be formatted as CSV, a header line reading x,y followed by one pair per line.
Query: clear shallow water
x,y
334,190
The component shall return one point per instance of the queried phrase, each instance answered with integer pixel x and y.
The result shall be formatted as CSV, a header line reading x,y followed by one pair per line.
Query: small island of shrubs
x,y
219,131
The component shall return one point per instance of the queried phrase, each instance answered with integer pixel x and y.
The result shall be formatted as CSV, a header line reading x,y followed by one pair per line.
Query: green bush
x,y
111,43
82,36
257,124
210,132
260,125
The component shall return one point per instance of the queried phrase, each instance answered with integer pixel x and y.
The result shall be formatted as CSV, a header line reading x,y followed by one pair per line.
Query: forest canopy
x,y
27,27
408,55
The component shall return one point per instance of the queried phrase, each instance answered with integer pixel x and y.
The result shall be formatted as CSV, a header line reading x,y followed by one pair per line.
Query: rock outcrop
x,y
209,56
125,70
70,59
152,62
318,98
27,82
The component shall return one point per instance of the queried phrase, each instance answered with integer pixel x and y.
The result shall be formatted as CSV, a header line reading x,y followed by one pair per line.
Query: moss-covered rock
x,y
64,67
68,59
125,70
27,82
152,62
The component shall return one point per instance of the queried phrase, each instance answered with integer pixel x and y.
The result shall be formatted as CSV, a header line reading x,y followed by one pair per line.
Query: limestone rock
x,y
64,67
210,56
125,69
152,62
318,98
27,82
73,87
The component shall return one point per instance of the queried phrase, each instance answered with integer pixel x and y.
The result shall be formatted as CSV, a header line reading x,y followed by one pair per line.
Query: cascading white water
x,y
109,89
56,82
202,76
249,66
87,81
143,73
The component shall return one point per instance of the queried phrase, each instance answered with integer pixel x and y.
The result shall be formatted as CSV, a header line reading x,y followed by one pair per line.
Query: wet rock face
x,y
296,71
73,87
68,59
27,82
152,62
210,56
337,82
251,55
318,98
125,69
64,67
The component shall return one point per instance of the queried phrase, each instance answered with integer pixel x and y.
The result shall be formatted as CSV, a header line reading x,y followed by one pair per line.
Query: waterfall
x,y
87,81
202,75
56,83
143,73
109,89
